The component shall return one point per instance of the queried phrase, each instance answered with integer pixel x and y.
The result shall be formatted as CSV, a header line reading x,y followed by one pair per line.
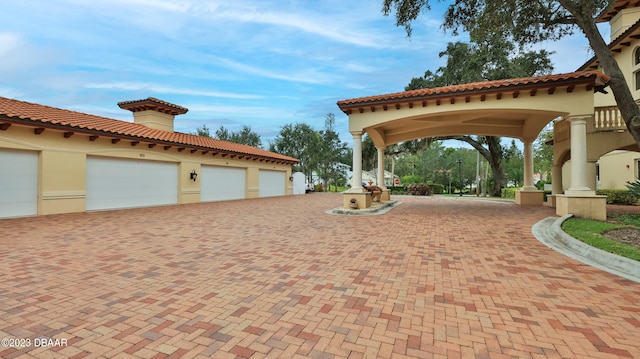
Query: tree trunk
x,y
499,177
621,92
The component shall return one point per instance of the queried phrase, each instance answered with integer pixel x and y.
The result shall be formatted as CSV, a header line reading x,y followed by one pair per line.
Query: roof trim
x,y
597,79
615,46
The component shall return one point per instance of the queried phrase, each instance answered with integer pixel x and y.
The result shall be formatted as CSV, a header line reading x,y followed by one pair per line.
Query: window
x,y
637,76
638,169
636,57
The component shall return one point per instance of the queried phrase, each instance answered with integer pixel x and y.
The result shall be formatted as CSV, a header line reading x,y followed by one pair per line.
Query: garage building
x,y
59,161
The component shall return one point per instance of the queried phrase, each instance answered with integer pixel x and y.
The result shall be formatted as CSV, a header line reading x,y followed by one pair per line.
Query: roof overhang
x,y
616,46
530,86
618,6
152,104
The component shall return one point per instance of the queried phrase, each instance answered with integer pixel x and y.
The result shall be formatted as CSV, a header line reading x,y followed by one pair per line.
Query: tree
x,y
514,165
331,152
530,22
245,136
299,141
543,152
203,131
490,59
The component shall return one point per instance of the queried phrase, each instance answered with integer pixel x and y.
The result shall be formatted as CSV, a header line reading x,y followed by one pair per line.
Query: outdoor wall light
x,y
291,178
193,176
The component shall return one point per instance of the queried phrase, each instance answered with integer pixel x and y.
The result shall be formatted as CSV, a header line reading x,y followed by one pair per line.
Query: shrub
x,y
618,196
437,188
411,179
634,188
509,192
419,189
397,190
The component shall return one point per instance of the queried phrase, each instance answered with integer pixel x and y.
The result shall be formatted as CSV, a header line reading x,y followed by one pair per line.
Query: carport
x,y
518,108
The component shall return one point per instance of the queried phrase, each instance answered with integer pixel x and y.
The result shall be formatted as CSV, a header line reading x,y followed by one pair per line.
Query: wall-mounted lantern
x,y
193,175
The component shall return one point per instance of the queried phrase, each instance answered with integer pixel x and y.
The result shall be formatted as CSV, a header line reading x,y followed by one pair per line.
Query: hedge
x,y
509,192
436,188
618,196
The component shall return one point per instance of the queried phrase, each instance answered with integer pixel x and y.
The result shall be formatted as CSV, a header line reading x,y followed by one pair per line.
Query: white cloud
x,y
137,86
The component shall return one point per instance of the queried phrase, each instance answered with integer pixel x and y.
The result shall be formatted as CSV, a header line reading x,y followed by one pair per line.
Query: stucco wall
x,y
617,168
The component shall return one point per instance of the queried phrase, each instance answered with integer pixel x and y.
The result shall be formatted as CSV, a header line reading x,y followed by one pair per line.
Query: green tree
x,y
514,165
330,153
490,59
203,131
543,152
299,141
245,136
529,22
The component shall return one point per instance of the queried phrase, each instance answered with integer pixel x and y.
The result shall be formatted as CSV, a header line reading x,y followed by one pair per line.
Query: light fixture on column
x,y
193,175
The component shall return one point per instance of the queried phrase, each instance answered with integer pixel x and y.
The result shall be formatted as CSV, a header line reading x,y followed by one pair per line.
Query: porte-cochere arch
x,y
518,108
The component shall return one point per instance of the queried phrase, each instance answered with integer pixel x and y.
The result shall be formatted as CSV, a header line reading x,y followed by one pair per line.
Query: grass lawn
x,y
590,232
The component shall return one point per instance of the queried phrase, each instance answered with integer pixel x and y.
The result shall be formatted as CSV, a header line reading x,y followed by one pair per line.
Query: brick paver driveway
x,y
279,278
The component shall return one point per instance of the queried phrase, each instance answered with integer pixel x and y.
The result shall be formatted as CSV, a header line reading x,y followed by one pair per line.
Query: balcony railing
x,y
608,118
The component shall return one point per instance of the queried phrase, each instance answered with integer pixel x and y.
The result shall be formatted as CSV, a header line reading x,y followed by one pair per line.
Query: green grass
x,y
590,232
628,219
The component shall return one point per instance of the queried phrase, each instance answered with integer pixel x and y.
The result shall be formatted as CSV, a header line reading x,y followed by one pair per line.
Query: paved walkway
x,y
279,278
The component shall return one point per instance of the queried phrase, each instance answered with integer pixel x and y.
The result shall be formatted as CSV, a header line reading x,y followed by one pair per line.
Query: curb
x,y
386,207
549,232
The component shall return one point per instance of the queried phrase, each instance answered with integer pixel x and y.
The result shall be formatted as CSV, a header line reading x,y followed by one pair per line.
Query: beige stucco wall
x,y
63,166
617,168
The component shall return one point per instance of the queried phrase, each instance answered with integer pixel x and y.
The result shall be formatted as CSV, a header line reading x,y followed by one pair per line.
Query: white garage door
x,y
117,183
271,183
222,183
18,183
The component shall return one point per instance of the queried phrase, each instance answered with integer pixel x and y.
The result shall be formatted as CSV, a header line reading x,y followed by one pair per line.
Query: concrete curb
x,y
549,231
384,208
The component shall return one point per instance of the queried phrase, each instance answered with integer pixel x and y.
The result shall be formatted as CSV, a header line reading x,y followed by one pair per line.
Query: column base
x,y
386,195
551,201
585,206
362,200
530,198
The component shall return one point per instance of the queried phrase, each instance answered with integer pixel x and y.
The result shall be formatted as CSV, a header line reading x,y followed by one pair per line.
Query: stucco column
x,y
556,179
381,183
579,175
356,179
528,166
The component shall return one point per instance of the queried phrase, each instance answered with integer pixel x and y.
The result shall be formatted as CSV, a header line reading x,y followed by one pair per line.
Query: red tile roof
x,y
31,114
152,103
594,78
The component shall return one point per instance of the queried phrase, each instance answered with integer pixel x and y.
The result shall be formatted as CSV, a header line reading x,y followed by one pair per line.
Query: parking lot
x,y
280,278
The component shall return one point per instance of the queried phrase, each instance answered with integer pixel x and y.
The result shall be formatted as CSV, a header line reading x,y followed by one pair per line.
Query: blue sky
x,y
243,62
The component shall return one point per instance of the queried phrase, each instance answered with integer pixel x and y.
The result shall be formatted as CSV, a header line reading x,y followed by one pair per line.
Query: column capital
x,y
579,118
357,133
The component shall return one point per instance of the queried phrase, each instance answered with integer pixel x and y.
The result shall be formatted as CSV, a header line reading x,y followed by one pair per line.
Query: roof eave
x,y
599,82
114,135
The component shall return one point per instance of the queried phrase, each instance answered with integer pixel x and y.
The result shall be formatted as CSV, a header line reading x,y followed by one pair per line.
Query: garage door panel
x,y
272,183
222,183
117,183
18,183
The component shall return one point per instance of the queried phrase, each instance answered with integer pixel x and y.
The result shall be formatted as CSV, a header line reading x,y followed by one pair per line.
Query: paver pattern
x,y
280,278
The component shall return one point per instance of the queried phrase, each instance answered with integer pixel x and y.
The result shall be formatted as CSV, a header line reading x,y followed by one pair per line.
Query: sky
x,y
233,63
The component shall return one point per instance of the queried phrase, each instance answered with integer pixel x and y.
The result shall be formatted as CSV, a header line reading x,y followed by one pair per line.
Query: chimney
x,y
153,113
